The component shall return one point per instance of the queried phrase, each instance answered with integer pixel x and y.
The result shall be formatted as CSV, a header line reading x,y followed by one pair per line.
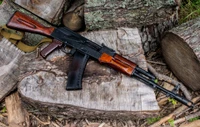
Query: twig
x,y
87,122
163,100
170,80
40,121
161,97
180,120
173,114
55,124
101,125
163,120
184,111
197,114
159,63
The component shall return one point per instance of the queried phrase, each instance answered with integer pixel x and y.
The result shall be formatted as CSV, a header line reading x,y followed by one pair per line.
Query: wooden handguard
x,y
21,21
118,62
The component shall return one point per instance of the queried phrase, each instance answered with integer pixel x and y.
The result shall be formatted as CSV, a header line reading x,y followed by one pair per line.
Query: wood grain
x,y
16,114
23,22
105,94
180,48
9,63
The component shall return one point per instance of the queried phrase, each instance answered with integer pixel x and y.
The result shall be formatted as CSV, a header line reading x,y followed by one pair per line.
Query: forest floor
x,y
171,112
164,117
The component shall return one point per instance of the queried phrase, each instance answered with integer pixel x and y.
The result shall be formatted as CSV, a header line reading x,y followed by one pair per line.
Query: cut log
x,y
50,10
181,50
9,66
152,17
103,14
106,94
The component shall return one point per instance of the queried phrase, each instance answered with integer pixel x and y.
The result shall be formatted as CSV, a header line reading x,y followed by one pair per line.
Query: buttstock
x,y
23,22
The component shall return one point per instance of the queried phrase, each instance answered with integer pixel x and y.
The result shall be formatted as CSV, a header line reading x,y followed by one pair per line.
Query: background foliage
x,y
190,9
1,2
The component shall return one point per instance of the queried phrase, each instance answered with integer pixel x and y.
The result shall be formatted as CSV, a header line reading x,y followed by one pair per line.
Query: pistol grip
x,y
76,70
47,50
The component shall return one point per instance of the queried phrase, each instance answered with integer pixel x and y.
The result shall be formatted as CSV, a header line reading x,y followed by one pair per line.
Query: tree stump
x,y
151,17
181,50
106,94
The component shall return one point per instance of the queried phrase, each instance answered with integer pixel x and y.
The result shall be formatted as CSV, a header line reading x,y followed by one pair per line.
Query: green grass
x,y
193,119
3,110
190,9
171,122
173,101
1,2
152,120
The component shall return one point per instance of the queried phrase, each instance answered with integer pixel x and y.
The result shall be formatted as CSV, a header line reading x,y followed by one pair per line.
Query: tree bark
x,y
151,17
180,48
103,14
106,94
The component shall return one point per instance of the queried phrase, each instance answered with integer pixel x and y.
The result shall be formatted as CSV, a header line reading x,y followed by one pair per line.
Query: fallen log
x,y
104,14
151,17
106,94
180,47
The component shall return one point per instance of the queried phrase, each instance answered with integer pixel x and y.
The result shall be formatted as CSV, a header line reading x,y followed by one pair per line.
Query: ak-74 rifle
x,y
83,49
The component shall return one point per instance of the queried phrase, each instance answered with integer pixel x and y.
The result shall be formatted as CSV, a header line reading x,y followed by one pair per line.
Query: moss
x,y
189,10
159,3
93,3
193,119
3,110
152,120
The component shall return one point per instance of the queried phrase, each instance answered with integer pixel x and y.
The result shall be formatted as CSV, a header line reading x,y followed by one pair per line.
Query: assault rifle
x,y
83,49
